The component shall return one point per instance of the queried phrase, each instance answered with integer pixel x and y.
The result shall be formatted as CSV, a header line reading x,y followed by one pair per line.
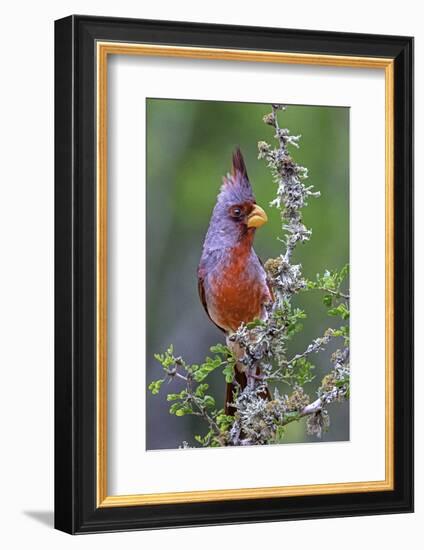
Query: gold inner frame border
x,y
103,50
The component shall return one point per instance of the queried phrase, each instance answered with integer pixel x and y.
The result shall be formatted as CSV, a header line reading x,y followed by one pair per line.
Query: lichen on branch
x,y
256,420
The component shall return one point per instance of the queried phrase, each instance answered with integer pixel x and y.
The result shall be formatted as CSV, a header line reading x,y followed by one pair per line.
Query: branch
x,y
260,421
317,345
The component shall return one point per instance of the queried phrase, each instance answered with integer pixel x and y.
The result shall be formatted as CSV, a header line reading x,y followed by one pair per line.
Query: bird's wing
x,y
201,288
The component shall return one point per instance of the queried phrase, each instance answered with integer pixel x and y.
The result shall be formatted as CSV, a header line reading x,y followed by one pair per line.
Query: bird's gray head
x,y
236,213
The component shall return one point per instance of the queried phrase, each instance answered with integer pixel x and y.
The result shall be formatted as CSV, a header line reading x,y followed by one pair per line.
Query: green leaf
x,y
343,273
175,396
185,409
341,311
292,319
256,323
302,373
174,408
207,440
166,359
155,386
224,421
201,389
220,349
209,401
344,332
291,416
206,368
328,300
229,373
191,368
279,434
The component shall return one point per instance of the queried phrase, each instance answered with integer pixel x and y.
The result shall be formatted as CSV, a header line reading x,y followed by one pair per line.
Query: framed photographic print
x,y
234,274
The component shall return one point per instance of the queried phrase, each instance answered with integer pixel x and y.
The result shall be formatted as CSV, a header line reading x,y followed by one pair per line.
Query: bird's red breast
x,y
238,292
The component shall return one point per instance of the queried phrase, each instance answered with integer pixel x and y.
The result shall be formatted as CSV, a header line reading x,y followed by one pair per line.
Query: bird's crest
x,y
236,186
239,167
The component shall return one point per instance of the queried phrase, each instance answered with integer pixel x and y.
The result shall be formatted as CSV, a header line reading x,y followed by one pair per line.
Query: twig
x,y
335,293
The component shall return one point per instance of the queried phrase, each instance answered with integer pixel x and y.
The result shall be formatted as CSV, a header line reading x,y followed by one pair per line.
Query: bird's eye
x,y
236,212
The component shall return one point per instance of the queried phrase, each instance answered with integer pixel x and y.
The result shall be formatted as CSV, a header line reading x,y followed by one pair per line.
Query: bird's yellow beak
x,y
257,217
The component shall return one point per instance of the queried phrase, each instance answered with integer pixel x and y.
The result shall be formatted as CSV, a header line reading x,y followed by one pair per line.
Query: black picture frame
x,y
76,509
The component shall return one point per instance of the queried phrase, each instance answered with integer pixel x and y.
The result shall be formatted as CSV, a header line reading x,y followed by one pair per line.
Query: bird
x,y
232,282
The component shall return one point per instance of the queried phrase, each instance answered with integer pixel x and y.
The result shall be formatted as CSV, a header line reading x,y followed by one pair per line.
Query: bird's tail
x,y
239,383
240,380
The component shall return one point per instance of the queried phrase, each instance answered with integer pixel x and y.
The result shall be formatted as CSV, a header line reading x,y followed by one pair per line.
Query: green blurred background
x,y
189,148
